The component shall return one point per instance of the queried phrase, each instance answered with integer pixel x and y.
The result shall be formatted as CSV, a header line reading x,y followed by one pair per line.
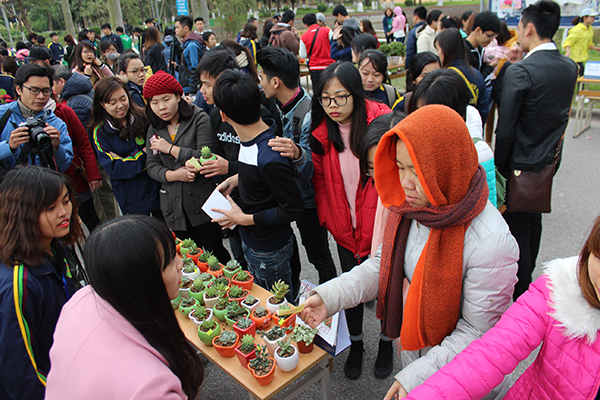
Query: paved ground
x,y
576,202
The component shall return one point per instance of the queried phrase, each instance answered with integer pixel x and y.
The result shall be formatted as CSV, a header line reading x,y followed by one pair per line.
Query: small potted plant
x,y
206,278
187,305
220,309
194,254
286,356
184,286
246,350
251,303
197,291
190,269
279,290
235,312
263,366
243,279
202,261
245,326
397,50
186,246
272,336
175,302
237,294
214,267
211,296
231,268
200,314
303,336
208,330
177,244
222,280
286,321
206,154
262,317
226,343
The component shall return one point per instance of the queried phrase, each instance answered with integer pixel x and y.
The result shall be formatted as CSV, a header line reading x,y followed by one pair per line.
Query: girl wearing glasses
x,y
131,70
346,207
118,129
87,64
38,215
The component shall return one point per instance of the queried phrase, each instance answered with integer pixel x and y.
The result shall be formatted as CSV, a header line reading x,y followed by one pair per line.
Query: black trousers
x,y
527,230
315,241
354,316
88,215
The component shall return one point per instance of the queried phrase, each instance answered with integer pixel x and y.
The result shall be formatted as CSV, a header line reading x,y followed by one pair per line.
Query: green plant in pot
x,y
235,312
231,268
250,302
262,367
237,294
222,280
211,296
190,269
200,314
186,246
246,350
208,330
197,291
203,260
272,336
279,290
286,356
185,285
262,317
206,154
214,267
243,279
187,305
220,309
304,336
286,321
245,326
206,278
226,343
175,302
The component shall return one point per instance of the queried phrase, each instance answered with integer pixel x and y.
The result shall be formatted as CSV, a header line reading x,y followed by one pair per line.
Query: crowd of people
x,y
427,219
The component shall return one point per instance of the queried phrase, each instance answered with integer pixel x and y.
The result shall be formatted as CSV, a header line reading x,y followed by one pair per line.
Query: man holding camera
x,y
28,132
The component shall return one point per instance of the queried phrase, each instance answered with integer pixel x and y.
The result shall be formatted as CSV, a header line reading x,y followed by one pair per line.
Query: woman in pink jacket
x,y
119,338
561,310
399,25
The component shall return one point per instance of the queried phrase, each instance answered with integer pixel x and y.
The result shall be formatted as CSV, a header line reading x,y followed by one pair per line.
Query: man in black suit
x,y
534,112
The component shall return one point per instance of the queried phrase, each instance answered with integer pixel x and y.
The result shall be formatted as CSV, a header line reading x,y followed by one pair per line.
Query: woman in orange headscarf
x,y
442,235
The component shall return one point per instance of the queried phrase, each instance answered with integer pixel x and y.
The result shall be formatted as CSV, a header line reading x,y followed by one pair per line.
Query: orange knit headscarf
x,y
446,163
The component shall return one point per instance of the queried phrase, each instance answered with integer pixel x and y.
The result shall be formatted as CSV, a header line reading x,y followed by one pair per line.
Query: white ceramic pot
x,y
185,293
272,345
209,315
210,303
274,307
287,364
194,274
252,307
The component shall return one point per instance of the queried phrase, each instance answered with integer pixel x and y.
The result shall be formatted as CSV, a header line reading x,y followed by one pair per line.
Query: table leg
x,y
326,379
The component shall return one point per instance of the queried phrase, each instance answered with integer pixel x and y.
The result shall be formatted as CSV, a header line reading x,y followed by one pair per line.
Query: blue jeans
x,y
267,267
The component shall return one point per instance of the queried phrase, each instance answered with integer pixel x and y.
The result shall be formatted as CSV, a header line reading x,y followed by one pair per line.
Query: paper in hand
x,y
216,201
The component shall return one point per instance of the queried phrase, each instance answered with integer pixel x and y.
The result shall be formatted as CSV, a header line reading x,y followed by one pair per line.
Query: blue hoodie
x,y
79,95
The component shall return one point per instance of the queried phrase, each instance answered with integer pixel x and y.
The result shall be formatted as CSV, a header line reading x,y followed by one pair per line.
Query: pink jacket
x,y
98,354
399,20
552,312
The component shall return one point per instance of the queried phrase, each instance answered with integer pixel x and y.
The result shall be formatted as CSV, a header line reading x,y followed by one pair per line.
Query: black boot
x,y
385,359
353,366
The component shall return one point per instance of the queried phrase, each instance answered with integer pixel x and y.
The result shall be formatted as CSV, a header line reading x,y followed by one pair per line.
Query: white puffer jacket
x,y
489,276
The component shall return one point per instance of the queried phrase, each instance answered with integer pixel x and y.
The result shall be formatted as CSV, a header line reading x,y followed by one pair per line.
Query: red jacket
x,y
83,154
330,195
321,54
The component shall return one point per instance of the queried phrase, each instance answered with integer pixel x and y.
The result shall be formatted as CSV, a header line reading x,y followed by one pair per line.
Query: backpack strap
x,y
20,296
466,81
391,94
302,108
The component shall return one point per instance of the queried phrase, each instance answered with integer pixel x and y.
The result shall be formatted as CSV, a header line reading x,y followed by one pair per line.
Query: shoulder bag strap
x,y
466,81
313,42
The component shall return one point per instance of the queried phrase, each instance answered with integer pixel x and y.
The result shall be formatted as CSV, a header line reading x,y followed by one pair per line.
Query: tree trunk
x,y
24,18
68,17
114,11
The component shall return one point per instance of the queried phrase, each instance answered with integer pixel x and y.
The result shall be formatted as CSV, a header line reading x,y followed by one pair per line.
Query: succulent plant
x,y
261,364
274,333
243,323
200,313
205,277
207,325
222,303
235,292
198,286
247,344
186,282
250,300
235,311
194,251
285,348
205,255
284,307
227,339
303,333
211,292
188,244
232,265
222,280
188,302
242,276
188,265
213,263
279,290
220,287
206,152
260,312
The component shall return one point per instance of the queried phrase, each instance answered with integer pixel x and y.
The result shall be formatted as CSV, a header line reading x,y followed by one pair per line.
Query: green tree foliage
x,y
234,13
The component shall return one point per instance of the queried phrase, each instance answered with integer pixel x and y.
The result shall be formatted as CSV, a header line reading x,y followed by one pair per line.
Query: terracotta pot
x,y
287,364
243,284
261,322
303,348
289,321
207,337
240,299
194,257
248,331
218,273
244,358
265,379
226,351
202,265
274,307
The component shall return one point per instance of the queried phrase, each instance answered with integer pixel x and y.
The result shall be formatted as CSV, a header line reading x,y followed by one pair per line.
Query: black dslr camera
x,y
37,133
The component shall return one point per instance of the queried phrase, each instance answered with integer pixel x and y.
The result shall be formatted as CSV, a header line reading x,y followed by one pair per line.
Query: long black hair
x,y
125,259
378,60
419,61
349,77
452,46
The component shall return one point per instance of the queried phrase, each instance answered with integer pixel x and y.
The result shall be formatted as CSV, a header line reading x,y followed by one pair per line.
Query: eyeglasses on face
x,y
138,71
36,91
338,100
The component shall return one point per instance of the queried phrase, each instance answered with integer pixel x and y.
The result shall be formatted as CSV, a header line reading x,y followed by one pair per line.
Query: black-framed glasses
x,y
491,35
138,71
36,91
338,100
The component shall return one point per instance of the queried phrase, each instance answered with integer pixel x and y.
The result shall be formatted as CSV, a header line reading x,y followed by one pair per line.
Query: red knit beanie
x,y
161,83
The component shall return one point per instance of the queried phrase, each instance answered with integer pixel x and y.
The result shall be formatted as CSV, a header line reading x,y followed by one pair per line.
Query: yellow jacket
x,y
580,38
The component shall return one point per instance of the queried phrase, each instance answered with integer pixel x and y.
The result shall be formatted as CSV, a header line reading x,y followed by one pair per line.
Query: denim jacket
x,y
303,167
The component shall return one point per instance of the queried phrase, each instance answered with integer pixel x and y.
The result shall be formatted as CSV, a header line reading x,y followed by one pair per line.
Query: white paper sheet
x,y
216,201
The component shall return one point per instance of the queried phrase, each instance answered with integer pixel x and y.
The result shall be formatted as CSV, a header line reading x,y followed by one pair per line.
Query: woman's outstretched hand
x,y
314,312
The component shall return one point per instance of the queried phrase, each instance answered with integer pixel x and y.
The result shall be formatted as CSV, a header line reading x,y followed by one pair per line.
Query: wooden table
x,y
301,376
583,113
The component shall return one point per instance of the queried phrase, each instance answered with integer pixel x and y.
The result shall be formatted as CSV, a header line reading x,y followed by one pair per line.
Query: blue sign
x,y
182,7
